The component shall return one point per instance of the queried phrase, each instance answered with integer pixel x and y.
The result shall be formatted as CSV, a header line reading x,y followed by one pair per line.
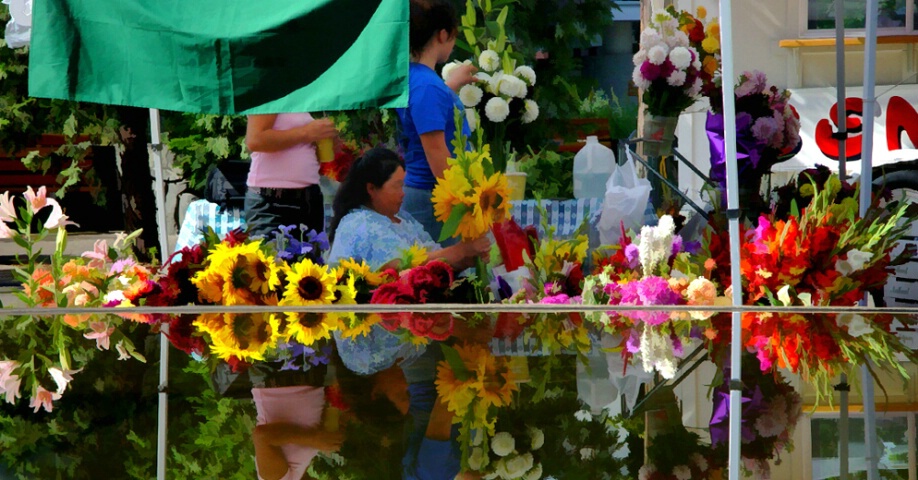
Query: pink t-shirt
x,y
295,167
299,405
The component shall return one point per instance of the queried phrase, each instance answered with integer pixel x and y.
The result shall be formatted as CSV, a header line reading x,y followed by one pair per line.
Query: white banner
x,y
895,128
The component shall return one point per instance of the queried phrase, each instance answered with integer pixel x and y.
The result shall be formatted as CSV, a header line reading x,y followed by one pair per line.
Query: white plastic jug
x,y
593,165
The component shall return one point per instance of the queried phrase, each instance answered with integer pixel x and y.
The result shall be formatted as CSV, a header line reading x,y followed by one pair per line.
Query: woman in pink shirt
x,y
283,182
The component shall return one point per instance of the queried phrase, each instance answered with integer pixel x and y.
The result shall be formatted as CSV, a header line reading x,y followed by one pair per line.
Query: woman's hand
x,y
318,129
480,248
461,75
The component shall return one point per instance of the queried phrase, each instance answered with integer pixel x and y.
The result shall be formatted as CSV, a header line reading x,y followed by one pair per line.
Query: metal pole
x,y
841,91
159,191
842,114
866,181
736,384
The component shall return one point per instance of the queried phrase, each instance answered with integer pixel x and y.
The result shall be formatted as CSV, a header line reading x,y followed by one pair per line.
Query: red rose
x,y
442,272
435,326
394,293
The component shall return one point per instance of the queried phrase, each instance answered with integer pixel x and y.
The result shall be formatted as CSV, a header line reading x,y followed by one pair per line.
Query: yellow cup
x,y
325,150
516,181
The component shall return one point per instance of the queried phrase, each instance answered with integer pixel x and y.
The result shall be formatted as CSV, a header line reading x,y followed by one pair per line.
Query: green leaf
x,y
70,126
455,362
452,223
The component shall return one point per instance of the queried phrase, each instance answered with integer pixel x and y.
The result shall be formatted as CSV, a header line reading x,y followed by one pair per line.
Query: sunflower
x,y
451,191
237,275
458,394
357,324
308,284
308,328
413,256
246,336
490,205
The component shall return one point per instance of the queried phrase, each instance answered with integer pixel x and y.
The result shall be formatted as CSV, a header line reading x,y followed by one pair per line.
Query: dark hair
x,y
428,17
375,166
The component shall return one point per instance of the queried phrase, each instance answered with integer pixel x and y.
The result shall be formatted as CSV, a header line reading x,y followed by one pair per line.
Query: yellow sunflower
x,y
308,284
244,335
490,206
458,394
243,272
357,325
362,270
451,191
308,328
413,256
210,286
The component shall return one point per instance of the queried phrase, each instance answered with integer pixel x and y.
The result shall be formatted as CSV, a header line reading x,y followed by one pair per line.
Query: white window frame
x,y
909,29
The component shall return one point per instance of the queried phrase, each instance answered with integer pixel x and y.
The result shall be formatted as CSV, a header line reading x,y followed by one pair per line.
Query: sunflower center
x,y
487,199
310,288
310,320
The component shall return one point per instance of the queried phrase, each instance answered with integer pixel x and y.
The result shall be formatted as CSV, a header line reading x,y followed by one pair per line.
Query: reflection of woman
x,y
368,225
288,433
283,182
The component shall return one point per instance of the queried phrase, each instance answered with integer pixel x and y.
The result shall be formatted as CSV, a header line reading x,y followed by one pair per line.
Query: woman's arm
x,y
436,151
463,254
268,439
260,135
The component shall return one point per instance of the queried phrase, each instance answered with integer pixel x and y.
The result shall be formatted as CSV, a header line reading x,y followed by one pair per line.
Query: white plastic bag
x,y
625,202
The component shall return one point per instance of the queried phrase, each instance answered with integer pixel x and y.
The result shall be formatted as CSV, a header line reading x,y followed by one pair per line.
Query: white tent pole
x,y
160,193
842,114
736,384
866,183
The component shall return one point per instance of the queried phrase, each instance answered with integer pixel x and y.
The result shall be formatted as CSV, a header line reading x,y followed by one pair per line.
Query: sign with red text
x,y
895,127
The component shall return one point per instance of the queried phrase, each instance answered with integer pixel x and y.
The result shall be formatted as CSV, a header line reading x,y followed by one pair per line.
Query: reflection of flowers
x,y
771,410
246,336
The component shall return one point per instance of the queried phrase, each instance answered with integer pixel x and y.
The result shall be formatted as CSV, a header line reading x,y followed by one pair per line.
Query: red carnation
x,y
435,326
394,293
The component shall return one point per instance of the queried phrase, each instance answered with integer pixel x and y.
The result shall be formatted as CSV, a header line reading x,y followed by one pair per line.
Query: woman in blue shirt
x,y
428,124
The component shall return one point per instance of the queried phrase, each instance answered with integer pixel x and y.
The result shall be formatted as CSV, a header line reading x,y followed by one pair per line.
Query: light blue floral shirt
x,y
367,235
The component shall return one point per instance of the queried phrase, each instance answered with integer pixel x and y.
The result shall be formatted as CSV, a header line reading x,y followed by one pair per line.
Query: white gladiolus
x,y
680,57
470,95
494,83
526,73
530,111
489,60
857,259
503,444
583,415
483,77
471,117
657,54
682,472
477,459
856,324
696,88
497,109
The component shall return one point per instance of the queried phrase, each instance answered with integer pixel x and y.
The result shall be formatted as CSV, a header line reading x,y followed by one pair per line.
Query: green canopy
x,y
222,56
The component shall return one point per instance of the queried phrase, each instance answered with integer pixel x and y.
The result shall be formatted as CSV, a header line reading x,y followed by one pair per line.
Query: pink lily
x,y
5,231
43,398
100,334
9,382
57,219
7,209
98,255
62,377
37,200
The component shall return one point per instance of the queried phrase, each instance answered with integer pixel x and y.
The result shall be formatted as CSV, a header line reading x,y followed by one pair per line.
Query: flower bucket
x,y
516,181
659,134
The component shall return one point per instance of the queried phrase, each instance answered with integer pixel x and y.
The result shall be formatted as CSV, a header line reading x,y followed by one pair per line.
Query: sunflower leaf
x,y
452,223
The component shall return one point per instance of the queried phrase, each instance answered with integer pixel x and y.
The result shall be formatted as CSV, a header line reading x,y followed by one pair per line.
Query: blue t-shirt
x,y
431,107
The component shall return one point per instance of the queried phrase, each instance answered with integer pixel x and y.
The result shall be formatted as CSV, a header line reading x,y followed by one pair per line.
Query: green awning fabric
x,y
222,56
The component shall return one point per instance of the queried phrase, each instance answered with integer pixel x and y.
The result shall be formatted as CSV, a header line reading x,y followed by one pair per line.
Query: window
x,y
896,441
896,17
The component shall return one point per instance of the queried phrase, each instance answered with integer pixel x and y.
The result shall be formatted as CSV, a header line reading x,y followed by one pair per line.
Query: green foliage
x,y
557,28
23,119
548,173
201,141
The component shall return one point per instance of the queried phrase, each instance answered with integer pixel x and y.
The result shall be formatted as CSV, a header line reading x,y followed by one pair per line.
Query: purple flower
x,y
649,291
650,71
632,253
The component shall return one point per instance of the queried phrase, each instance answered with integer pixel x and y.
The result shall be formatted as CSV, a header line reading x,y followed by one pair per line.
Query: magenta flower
x,y
650,291
650,71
